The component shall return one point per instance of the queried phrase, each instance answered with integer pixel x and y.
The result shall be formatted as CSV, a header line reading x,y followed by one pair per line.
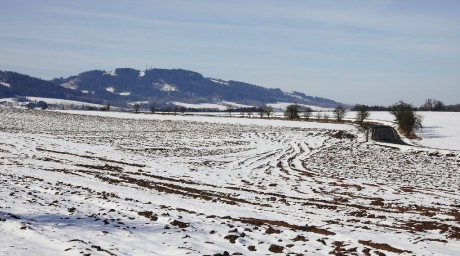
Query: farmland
x,y
125,184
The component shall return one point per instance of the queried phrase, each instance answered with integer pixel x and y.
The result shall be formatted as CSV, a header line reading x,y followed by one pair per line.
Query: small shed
x,y
384,133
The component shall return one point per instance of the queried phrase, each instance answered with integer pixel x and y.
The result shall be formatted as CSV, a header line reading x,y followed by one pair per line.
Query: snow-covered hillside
x,y
81,184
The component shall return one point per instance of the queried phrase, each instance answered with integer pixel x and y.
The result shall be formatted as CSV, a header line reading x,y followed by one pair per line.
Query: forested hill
x,y
159,85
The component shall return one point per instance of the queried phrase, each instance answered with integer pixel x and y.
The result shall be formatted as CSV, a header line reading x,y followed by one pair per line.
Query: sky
x,y
373,52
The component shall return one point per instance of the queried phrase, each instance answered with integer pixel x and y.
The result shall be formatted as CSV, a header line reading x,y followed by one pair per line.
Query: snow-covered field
x,y
440,130
55,101
102,183
281,106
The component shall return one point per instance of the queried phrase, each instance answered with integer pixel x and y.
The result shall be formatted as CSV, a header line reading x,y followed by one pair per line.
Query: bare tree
x,y
318,116
175,109
229,109
250,113
261,111
292,111
339,113
433,105
268,111
137,107
242,112
153,107
362,113
182,109
366,129
105,107
307,112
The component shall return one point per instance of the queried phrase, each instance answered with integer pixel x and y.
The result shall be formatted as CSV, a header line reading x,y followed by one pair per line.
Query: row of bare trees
x,y
296,111
153,108
405,115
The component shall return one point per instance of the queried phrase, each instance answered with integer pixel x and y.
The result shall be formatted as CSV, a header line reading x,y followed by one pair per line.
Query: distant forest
x,y
429,105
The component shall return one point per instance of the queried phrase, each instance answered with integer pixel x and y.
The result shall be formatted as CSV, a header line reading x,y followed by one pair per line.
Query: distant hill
x,y
13,84
124,85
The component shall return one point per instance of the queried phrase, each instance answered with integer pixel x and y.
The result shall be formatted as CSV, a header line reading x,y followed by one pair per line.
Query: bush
x,y
41,104
292,111
408,120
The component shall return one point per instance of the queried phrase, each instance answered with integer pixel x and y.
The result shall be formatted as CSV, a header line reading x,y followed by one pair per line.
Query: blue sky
x,y
354,51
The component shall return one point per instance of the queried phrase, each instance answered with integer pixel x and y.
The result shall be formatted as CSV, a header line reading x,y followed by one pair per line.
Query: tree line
x,y
428,105
405,115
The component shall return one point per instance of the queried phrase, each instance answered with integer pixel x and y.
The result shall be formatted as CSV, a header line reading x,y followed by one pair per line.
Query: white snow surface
x,y
5,84
200,105
110,89
70,85
235,105
54,101
294,95
125,93
217,119
141,73
106,183
110,73
217,106
282,106
168,88
7,99
218,81
137,102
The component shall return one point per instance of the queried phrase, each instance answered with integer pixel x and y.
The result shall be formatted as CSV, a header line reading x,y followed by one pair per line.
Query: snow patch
x,y
235,105
125,93
141,73
168,88
138,102
8,100
200,105
85,91
163,86
110,73
295,96
217,106
281,106
70,85
5,84
218,81
110,89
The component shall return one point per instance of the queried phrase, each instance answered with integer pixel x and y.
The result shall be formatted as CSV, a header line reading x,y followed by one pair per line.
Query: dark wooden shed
x,y
385,134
